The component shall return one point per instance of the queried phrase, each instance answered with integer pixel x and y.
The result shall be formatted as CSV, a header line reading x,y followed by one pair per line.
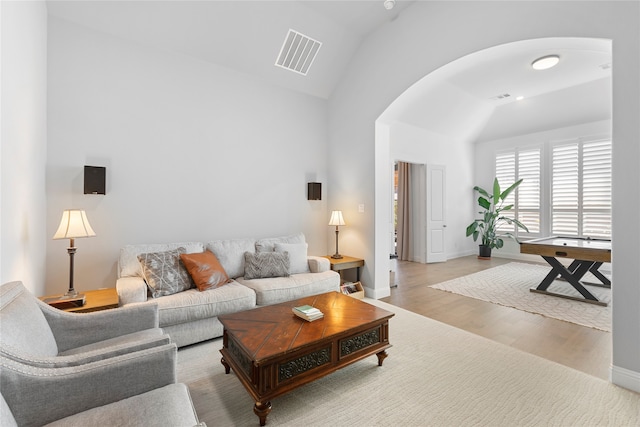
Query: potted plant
x,y
492,207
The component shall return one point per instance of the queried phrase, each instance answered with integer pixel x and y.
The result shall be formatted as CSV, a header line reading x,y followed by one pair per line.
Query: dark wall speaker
x,y
314,191
95,179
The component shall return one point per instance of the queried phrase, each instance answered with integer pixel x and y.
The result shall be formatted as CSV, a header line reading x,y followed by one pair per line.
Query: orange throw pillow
x,y
205,270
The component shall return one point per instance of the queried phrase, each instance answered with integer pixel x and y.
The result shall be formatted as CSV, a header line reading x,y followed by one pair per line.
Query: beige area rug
x,y
435,375
509,285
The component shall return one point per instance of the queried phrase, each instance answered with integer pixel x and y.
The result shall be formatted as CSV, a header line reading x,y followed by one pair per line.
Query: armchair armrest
x,y
131,289
318,264
77,329
94,355
38,396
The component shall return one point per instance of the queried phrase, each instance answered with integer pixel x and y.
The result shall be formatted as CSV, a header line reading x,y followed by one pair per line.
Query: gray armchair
x,y
128,390
170,405
113,367
39,335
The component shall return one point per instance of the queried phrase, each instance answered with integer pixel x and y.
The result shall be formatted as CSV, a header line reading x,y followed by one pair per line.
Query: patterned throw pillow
x,y
260,265
205,270
164,272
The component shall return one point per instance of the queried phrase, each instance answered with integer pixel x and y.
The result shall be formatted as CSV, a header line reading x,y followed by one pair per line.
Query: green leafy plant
x,y
492,218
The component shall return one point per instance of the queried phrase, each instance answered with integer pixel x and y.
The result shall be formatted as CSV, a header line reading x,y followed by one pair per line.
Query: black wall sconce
x,y
314,191
95,179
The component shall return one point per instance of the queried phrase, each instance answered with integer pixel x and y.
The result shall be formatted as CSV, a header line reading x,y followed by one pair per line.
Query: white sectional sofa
x,y
191,315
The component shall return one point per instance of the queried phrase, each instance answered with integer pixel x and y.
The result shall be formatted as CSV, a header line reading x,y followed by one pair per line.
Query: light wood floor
x,y
582,348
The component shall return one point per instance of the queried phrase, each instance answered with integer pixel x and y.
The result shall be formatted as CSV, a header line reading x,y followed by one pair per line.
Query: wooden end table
x,y
346,263
272,351
96,300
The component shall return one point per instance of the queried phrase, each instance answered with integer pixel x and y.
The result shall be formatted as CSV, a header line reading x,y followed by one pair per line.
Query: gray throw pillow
x,y
260,265
164,272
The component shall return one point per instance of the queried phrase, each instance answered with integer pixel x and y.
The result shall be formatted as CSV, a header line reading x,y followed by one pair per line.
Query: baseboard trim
x,y
625,378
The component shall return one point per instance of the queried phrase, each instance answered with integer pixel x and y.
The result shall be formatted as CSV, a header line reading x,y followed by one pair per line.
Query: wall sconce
x,y
314,191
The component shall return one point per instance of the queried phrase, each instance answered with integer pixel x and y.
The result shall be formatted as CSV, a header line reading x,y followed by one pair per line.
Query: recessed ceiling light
x,y
545,62
388,4
519,98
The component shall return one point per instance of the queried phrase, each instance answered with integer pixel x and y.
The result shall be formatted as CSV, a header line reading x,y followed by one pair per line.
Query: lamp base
x,y
336,256
71,293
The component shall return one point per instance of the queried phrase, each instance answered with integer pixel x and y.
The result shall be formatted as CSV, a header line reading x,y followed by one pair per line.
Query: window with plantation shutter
x,y
581,189
523,164
506,174
528,193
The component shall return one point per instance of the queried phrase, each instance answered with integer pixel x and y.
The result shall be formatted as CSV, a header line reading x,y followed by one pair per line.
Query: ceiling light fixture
x,y
545,62
519,98
388,4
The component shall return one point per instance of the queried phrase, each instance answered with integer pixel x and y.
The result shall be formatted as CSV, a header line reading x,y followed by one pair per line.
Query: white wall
x,y
389,62
193,151
24,143
416,145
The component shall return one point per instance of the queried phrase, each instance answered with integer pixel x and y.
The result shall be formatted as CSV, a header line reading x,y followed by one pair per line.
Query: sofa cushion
x,y
268,245
298,262
205,270
164,272
193,305
230,253
259,265
128,264
281,289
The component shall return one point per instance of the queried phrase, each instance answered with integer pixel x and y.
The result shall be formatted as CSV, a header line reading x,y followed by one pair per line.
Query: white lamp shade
x,y
336,218
74,224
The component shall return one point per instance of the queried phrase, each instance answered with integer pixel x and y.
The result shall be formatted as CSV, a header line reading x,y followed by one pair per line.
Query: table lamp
x,y
74,224
337,220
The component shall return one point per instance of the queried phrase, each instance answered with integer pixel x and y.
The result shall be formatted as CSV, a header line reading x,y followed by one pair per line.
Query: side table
x,y
96,300
346,263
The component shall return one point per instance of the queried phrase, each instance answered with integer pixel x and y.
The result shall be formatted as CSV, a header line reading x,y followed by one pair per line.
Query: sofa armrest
x,y
77,329
318,264
131,289
38,396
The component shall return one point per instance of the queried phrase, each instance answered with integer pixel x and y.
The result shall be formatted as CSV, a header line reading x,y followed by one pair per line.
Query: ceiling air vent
x,y
298,52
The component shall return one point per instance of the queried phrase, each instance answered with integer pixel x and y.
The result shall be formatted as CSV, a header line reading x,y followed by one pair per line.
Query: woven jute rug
x,y
435,375
509,285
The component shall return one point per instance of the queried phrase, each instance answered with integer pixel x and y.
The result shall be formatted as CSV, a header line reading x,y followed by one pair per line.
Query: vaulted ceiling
x,y
246,36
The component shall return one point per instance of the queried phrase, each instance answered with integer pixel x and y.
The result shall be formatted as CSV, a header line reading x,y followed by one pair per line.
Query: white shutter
x,y
506,174
521,164
579,189
564,190
596,189
528,205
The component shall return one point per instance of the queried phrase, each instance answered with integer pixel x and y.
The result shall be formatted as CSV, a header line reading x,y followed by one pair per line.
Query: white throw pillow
x,y
268,245
297,256
230,253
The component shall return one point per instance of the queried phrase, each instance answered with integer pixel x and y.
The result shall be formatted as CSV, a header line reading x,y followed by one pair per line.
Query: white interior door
x,y
436,220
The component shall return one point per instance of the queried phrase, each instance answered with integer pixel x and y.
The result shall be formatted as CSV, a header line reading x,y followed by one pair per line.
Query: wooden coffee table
x,y
272,351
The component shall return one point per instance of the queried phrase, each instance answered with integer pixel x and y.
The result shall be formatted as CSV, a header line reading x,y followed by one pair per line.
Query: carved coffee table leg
x,y
262,410
227,368
381,356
